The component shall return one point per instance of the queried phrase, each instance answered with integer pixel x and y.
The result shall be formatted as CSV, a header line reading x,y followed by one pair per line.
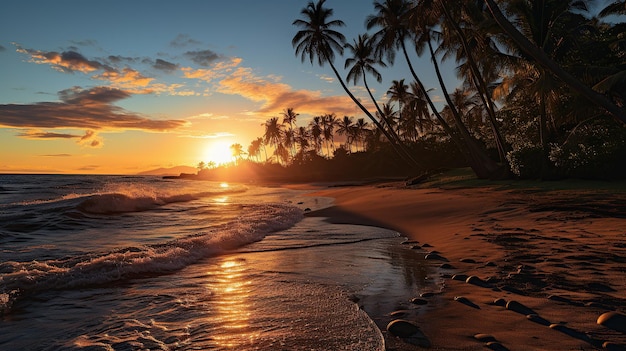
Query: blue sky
x,y
136,74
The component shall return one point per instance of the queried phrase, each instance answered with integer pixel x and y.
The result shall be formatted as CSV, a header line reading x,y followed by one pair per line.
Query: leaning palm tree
x,y
547,63
318,39
392,19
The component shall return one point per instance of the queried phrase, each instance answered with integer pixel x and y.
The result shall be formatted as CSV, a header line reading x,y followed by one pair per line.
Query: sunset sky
x,y
120,87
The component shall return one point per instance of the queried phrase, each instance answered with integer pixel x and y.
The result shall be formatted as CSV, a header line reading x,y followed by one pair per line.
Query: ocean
x,y
145,263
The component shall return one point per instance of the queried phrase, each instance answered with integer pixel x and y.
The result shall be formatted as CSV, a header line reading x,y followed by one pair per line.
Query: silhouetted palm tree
x,y
237,151
273,133
318,39
547,63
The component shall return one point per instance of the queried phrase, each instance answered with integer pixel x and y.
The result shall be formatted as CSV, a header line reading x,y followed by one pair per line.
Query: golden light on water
x,y
231,288
224,185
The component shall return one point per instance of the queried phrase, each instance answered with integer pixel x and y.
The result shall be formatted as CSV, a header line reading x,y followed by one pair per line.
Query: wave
x,y
20,279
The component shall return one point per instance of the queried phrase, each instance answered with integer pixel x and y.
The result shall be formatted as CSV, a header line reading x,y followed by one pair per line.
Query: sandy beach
x,y
516,269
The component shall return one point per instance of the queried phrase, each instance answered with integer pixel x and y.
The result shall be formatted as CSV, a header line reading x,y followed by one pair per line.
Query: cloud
x,y
46,135
56,155
127,78
165,66
203,57
66,61
2,48
276,96
210,135
183,40
89,139
90,109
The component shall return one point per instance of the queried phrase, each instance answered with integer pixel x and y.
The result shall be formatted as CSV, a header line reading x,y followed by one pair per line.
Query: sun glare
x,y
218,152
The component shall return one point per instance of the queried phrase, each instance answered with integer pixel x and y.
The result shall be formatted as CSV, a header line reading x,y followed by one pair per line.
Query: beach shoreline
x,y
520,269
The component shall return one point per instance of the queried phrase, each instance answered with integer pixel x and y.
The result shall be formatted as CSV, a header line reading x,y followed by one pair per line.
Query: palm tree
x,y
393,19
237,151
289,117
345,127
303,138
273,133
398,92
329,122
545,61
360,129
254,149
318,39
316,131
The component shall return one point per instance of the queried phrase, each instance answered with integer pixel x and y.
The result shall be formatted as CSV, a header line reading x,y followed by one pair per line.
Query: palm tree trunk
x,y
372,118
543,59
479,84
482,165
396,138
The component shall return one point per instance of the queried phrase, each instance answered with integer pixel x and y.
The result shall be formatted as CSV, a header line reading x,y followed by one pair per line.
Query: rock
x,y
307,210
613,320
435,256
418,301
460,277
569,331
476,281
484,337
464,300
427,294
399,313
499,302
402,328
538,319
611,346
415,247
426,245
494,345
468,260
490,264
446,266
519,308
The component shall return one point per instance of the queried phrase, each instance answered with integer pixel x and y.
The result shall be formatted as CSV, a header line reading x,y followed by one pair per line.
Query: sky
x,y
121,87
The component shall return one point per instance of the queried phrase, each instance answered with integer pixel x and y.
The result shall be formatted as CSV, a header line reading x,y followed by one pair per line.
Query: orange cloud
x,y
125,79
278,96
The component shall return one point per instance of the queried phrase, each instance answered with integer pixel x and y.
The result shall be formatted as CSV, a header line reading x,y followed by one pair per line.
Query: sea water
x,y
137,263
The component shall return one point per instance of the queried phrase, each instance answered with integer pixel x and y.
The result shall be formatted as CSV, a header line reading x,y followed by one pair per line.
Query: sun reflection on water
x,y
231,287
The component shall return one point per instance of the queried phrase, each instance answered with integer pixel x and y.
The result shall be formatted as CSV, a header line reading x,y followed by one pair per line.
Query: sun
x,y
218,152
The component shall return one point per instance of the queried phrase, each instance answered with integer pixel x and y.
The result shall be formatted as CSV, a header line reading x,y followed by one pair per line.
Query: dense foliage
x,y
542,93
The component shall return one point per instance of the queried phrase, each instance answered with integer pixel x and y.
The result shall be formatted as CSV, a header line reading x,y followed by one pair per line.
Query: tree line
x,y
542,93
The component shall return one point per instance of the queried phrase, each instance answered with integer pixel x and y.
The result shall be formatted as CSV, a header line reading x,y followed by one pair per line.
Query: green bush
x,y
526,161
596,150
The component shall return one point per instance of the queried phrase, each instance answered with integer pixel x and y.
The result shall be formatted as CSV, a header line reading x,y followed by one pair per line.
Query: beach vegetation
x,y
540,93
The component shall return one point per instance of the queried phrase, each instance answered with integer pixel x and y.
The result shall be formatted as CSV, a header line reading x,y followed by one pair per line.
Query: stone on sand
x,y
484,337
519,308
402,328
613,320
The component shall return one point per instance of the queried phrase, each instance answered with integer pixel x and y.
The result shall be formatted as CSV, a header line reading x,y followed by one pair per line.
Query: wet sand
x,y
517,269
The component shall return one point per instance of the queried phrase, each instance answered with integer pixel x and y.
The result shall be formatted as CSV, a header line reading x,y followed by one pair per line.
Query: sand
x,y
544,265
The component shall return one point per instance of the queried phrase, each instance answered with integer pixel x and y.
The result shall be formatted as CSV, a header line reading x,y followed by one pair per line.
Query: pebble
x,y
494,345
464,300
613,320
476,281
435,256
426,245
484,337
468,260
399,313
446,266
499,302
611,346
418,301
415,247
402,328
427,294
519,308
490,264
461,277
